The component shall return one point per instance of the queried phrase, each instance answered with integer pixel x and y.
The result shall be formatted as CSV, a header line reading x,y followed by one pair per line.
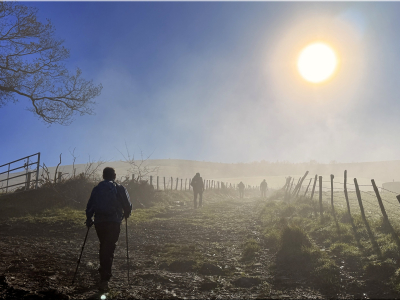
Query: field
x,y
231,248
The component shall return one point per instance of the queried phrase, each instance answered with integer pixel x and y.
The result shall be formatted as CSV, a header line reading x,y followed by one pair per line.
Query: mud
x,y
182,254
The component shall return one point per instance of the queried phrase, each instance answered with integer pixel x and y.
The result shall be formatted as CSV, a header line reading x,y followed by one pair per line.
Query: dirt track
x,y
184,253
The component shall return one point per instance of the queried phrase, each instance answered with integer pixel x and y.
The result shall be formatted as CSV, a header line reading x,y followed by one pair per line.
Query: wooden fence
x,y
183,184
352,197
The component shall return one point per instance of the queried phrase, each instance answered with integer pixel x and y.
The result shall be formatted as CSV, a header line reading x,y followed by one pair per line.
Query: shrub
x,y
293,238
272,239
250,248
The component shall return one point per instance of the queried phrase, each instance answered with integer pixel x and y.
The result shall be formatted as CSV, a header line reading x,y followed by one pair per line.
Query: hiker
x,y
263,188
241,189
198,188
110,204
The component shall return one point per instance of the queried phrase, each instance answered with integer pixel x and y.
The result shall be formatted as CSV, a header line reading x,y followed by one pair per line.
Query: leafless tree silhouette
x,y
31,67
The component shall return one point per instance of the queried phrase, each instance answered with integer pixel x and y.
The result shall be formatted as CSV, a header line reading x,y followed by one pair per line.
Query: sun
x,y
317,62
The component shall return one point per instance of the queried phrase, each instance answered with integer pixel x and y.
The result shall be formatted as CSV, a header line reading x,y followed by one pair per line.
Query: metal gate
x,y
14,178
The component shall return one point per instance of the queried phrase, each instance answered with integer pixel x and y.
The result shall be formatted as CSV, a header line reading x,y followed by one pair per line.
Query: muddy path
x,y
180,254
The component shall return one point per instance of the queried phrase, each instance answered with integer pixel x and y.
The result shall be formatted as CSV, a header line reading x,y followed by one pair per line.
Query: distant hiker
x,y
198,188
241,189
110,204
263,188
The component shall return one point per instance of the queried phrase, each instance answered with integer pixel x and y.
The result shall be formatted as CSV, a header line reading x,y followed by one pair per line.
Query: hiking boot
x,y
103,285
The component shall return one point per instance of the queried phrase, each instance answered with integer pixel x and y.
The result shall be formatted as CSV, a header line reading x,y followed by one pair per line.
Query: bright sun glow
x,y
317,62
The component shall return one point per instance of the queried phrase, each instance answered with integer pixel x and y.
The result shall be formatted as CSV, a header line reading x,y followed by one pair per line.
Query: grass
x,y
250,249
171,252
53,216
299,236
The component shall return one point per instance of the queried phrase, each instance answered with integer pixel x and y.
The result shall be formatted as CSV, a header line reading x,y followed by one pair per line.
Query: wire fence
x,y
367,199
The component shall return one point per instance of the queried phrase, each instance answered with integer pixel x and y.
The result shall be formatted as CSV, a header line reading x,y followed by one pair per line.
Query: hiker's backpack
x,y
106,203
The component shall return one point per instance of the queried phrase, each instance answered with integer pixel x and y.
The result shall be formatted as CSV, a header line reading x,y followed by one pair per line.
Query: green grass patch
x,y
54,216
147,214
171,252
295,229
250,248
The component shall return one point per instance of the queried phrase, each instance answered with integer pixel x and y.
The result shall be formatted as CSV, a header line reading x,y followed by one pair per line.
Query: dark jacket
x,y
197,184
263,185
119,208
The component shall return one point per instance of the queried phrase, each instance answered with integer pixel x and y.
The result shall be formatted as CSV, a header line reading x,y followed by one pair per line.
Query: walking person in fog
x,y
263,188
198,188
110,204
241,190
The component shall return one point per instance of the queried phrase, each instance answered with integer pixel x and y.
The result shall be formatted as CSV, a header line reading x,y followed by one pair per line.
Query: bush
x,y
293,238
250,248
140,192
272,239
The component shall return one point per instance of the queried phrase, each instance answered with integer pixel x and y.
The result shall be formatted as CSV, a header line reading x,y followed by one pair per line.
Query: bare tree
x,y
92,168
138,167
31,67
73,162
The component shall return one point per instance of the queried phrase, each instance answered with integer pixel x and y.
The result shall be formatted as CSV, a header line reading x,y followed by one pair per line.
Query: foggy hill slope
x,y
250,173
383,171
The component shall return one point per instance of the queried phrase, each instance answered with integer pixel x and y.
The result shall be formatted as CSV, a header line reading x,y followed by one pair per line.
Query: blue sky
x,y
214,81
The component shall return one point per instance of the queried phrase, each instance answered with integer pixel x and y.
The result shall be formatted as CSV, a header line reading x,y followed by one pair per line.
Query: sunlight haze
x,y
219,81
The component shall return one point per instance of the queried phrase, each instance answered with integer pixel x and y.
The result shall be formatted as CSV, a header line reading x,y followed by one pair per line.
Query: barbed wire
x,y
388,190
383,199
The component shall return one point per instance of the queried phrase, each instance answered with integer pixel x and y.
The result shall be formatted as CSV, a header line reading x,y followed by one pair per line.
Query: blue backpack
x,y
106,203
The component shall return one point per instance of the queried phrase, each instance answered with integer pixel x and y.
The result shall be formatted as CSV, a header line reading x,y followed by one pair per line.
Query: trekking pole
x,y
127,250
80,256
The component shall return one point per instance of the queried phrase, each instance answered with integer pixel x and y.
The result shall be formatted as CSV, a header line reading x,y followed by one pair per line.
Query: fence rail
x,y
27,173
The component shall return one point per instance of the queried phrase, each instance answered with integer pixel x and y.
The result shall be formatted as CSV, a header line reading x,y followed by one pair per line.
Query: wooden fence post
x,y
151,180
190,183
333,208
176,185
345,193
290,190
164,184
28,182
185,184
378,196
158,187
307,187
320,196
313,189
359,200
296,187
371,235
300,184
181,183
